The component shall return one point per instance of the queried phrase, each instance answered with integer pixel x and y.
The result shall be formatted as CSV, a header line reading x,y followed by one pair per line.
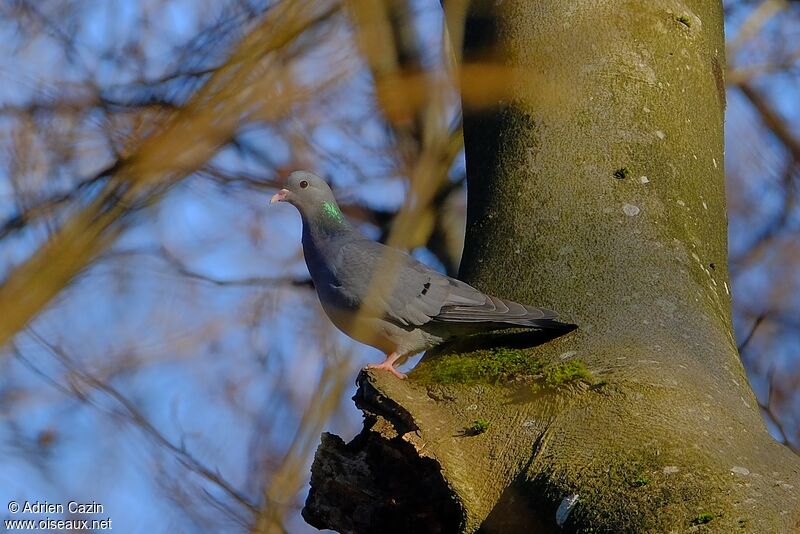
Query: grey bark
x,y
596,188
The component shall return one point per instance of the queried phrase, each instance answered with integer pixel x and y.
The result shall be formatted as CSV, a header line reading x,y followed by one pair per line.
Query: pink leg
x,y
388,365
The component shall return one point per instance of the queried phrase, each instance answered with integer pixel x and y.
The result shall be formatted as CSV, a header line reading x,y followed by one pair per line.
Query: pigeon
x,y
384,297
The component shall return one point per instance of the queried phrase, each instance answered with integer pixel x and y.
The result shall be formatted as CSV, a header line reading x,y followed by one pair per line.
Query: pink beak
x,y
280,196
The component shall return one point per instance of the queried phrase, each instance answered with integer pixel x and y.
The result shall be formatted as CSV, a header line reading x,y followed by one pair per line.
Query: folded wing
x,y
420,295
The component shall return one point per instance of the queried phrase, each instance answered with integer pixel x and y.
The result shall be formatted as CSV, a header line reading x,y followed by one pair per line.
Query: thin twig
x,y
750,334
135,416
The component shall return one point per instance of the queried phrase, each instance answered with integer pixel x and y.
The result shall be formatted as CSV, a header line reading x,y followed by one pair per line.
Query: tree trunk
x,y
595,189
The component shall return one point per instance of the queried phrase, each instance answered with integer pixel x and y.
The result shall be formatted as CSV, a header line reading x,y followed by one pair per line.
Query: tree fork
x,y
596,188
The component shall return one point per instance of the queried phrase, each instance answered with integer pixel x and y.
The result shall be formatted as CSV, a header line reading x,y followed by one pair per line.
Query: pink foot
x,y
388,365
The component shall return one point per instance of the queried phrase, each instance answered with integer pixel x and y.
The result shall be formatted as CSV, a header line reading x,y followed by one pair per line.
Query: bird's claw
x,y
386,366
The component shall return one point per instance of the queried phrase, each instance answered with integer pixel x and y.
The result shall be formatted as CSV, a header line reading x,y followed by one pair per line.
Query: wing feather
x,y
420,294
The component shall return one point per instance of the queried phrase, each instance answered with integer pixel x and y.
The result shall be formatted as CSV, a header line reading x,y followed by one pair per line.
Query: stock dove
x,y
408,307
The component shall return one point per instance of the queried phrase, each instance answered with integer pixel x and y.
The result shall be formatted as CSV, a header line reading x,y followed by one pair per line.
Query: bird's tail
x,y
545,324
496,313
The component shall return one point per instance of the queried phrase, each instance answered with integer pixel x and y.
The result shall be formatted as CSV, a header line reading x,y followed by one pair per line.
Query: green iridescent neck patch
x,y
331,210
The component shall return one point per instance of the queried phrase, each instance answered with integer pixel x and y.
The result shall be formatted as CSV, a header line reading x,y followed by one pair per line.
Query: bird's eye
x,y
303,184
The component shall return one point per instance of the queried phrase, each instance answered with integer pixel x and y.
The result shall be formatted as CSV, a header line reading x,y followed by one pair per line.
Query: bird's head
x,y
308,193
